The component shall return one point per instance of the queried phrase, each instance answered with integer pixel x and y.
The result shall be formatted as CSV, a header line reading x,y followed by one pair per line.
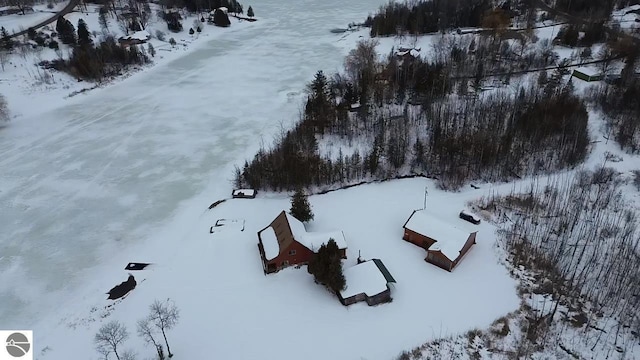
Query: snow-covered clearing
x,y
23,82
18,22
228,303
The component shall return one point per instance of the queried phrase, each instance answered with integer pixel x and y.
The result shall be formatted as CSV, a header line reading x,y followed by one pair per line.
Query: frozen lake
x,y
93,178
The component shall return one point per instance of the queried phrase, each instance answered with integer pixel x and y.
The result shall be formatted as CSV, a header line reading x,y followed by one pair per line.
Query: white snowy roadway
x,y
110,170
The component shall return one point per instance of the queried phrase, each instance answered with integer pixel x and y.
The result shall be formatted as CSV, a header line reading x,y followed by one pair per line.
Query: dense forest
x,y
406,115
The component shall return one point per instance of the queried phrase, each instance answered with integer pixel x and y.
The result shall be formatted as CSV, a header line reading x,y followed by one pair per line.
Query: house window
x,y
285,263
292,252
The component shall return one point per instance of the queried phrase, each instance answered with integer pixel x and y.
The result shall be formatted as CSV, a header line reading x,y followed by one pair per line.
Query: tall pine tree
x,y
5,40
326,267
300,207
250,12
84,37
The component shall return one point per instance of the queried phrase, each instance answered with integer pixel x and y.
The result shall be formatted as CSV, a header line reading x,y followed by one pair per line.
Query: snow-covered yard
x,y
18,22
230,305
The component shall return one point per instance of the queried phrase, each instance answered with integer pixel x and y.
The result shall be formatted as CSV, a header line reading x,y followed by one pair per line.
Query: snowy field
x,y
18,22
118,167
228,303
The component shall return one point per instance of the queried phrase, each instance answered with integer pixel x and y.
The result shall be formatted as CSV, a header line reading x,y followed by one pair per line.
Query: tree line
x,y
619,101
94,61
427,16
407,116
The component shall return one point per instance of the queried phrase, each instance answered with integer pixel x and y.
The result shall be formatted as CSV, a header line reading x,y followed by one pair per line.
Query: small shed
x,y
587,74
244,193
445,243
368,281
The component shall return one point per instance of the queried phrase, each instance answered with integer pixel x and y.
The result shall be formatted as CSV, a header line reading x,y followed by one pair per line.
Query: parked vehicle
x,y
470,217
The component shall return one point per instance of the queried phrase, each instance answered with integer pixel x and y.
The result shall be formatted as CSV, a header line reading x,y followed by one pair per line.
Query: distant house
x,y
244,194
587,74
368,281
137,38
285,242
445,243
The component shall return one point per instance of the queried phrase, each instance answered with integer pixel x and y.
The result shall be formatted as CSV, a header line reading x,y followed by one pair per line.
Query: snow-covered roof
x,y
222,8
245,192
449,238
270,243
589,71
313,240
412,52
364,278
139,35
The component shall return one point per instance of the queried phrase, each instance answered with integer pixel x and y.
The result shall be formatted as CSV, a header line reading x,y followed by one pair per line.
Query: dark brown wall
x,y
438,259
418,239
383,297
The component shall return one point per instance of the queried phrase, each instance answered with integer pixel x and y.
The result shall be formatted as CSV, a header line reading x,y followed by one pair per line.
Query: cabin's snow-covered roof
x,y
270,243
589,71
413,52
313,240
138,35
363,278
245,192
449,238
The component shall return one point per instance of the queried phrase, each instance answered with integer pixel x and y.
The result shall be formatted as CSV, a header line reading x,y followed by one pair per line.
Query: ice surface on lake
x,y
93,178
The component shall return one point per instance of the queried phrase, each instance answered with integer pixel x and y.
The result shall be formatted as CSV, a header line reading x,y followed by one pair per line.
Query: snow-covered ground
x,y
22,82
18,22
230,305
133,165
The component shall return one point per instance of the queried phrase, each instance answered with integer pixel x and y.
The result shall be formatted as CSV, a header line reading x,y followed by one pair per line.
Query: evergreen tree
x,y
300,207
66,31
221,19
326,267
84,37
5,40
250,12
31,33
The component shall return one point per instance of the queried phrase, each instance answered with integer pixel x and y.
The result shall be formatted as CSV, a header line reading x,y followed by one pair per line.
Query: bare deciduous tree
x,y
4,58
146,332
164,315
110,336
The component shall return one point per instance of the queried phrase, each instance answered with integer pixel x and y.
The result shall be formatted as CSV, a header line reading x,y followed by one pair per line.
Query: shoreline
x,y
40,315
51,98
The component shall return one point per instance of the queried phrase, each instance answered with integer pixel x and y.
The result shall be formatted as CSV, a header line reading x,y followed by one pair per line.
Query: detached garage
x,y
445,243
